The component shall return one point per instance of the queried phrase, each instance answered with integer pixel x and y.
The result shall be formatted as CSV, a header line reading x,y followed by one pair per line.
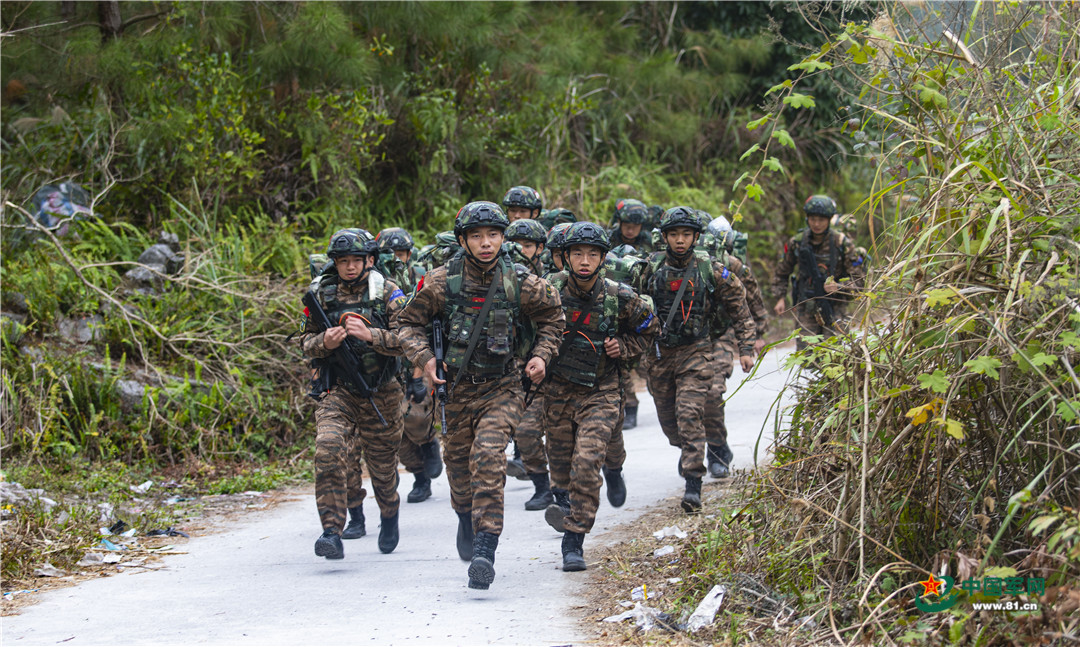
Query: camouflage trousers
x,y
346,432
529,437
630,381
480,420
419,430
810,323
579,421
679,382
616,448
725,350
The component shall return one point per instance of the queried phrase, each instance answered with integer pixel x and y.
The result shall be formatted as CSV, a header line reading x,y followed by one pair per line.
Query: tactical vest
x,y
582,359
504,334
691,320
802,287
378,369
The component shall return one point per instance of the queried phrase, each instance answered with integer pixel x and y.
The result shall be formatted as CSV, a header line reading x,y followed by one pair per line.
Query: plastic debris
x,y
91,559
10,595
167,532
664,550
645,618
141,488
670,531
674,580
118,527
705,612
128,533
108,545
640,593
48,570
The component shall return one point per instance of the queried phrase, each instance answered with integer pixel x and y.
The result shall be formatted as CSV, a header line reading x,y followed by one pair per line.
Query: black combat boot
x,y
573,555
558,511
514,466
329,545
388,534
356,528
629,417
465,536
719,461
616,487
432,460
542,499
691,500
421,490
482,568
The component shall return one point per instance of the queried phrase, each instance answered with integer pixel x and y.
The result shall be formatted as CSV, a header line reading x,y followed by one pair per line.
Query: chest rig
x,y
501,336
691,320
582,359
377,369
827,258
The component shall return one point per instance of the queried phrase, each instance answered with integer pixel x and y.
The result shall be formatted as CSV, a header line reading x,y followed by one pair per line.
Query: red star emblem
x,y
931,585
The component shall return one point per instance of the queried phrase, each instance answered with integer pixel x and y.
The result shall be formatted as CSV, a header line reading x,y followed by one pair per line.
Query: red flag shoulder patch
x,y
420,285
577,313
674,285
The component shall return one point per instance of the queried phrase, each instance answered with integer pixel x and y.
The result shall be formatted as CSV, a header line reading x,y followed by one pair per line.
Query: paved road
x,y
259,583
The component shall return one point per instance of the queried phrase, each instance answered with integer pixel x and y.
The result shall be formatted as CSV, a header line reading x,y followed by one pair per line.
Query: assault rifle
x,y
808,267
345,354
438,346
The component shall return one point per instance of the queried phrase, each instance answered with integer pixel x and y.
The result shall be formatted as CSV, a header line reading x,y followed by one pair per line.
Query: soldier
x,y
687,287
530,454
554,216
444,249
725,346
554,246
630,218
480,295
362,301
419,450
607,321
820,258
522,202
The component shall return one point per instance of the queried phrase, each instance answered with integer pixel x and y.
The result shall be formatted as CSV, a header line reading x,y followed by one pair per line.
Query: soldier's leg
x,y
334,433
693,378
718,454
530,438
558,424
457,447
498,414
593,420
356,527
380,455
808,325
661,383
419,429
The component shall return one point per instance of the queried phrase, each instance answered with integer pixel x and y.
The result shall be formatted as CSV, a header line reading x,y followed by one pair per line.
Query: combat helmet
x,y
820,205
526,229
631,211
395,239
479,214
680,217
523,196
557,236
352,242
586,233
557,215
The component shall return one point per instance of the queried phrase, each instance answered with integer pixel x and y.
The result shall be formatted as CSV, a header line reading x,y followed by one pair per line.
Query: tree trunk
x,y
109,19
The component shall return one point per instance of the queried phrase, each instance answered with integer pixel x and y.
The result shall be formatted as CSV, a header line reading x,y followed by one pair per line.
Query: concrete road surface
x,y
259,582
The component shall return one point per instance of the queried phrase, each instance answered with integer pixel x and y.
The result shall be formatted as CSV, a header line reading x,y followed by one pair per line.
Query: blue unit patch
x,y
396,294
644,324
725,274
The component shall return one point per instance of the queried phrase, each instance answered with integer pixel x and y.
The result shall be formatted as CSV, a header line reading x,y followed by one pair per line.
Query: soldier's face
x,y
351,268
403,255
818,224
584,259
629,230
680,239
484,242
529,248
556,258
518,213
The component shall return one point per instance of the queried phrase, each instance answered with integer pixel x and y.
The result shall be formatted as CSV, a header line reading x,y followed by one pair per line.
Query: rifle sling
x,y
679,295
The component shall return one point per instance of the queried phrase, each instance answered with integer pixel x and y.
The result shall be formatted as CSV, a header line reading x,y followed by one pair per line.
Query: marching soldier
x,y
348,417
820,258
687,287
606,321
522,202
630,219
481,303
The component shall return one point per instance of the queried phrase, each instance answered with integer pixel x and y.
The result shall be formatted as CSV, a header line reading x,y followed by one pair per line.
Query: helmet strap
x,y
464,241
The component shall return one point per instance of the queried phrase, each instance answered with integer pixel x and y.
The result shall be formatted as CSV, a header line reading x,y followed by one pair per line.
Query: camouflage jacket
x,y
384,341
835,255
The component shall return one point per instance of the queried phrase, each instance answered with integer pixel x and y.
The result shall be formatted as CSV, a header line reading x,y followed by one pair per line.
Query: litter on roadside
x,y
48,570
142,487
167,532
640,593
664,550
705,612
10,595
670,531
645,618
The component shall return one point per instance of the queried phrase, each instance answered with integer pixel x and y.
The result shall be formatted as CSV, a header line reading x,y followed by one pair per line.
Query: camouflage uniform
x,y
347,427
680,378
482,412
582,406
836,257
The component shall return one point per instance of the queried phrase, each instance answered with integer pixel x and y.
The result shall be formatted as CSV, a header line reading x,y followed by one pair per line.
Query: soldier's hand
x,y
356,327
758,346
416,390
429,372
535,370
747,363
779,308
612,348
333,337
831,286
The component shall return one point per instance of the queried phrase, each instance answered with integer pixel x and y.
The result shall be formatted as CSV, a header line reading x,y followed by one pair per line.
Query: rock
x,y
145,277
33,352
82,330
164,256
131,394
109,307
12,326
17,301
172,240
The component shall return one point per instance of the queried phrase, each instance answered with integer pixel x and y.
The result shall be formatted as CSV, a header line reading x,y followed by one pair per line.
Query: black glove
x,y
415,389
